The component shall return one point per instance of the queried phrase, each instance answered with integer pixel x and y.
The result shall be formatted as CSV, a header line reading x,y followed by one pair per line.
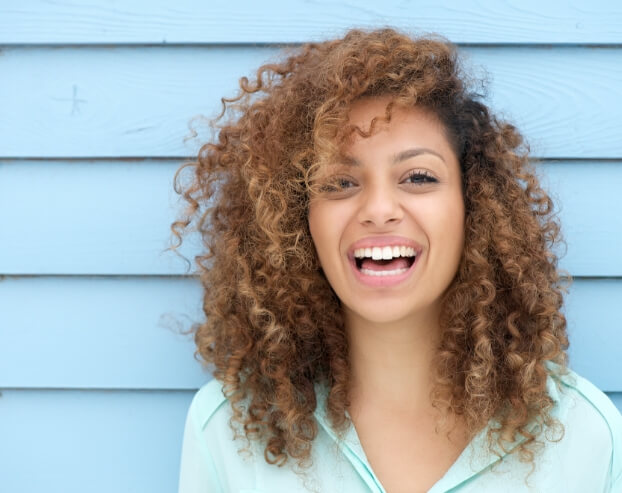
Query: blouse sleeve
x,y
197,471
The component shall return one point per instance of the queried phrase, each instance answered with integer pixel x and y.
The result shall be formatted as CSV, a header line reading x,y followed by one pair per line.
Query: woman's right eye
x,y
338,184
343,183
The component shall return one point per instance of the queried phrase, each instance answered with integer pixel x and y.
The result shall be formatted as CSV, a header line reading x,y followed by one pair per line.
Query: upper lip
x,y
381,241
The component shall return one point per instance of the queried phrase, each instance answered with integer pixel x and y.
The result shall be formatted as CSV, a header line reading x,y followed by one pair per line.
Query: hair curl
x,y
274,326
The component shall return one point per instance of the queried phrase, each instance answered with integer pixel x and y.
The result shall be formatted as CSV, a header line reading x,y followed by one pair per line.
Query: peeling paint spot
x,y
139,129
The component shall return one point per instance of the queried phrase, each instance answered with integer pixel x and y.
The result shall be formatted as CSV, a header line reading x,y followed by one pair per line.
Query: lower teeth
x,y
395,272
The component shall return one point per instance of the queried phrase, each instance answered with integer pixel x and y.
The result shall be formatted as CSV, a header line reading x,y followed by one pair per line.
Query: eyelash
x,y
428,178
337,184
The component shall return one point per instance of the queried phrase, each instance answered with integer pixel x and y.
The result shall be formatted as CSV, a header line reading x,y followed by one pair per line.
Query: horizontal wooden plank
x,y
589,203
103,333
616,398
594,331
138,101
89,218
125,332
189,21
113,217
66,441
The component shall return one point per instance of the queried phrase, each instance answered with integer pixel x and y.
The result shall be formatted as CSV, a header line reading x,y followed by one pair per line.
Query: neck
x,y
392,363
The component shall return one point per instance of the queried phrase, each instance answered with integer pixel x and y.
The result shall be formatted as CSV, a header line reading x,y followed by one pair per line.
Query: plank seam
x,y
264,44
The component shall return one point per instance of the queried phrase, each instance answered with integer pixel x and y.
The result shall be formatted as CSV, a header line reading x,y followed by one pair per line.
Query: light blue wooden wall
x,y
95,100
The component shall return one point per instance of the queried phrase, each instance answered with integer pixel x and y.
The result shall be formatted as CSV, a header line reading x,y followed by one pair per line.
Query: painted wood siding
x,y
95,102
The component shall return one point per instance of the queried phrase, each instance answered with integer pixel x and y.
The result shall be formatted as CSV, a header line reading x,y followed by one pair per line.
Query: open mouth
x,y
385,261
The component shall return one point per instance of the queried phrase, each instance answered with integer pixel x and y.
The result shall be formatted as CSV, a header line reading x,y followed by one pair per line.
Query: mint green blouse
x,y
588,459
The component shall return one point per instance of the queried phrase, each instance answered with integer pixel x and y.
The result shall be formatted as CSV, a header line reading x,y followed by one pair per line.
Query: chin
x,y
386,313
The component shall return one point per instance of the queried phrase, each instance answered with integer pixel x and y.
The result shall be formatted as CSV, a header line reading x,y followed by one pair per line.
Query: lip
x,y
378,241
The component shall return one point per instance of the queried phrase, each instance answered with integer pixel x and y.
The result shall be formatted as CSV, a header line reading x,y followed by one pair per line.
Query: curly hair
x,y
274,327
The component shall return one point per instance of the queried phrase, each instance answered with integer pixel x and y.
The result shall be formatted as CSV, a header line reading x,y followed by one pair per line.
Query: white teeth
x,y
384,253
387,253
383,272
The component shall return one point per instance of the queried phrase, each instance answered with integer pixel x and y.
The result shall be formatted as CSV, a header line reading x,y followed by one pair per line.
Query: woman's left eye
x,y
420,178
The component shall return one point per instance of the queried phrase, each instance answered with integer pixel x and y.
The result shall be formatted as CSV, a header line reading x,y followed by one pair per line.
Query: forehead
x,y
364,110
374,126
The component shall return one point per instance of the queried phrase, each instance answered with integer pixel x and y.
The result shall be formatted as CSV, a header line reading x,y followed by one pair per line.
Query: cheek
x,y
326,225
455,227
318,227
444,221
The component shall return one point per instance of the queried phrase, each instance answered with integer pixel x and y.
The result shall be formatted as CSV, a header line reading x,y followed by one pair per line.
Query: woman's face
x,y
389,225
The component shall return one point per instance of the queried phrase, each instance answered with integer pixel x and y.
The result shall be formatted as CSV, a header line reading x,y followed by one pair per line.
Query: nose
x,y
380,206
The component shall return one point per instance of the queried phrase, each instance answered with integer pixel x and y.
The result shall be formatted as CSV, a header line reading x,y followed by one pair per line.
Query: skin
x,y
394,330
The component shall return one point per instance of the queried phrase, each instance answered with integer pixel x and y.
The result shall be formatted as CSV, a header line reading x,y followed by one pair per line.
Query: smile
x,y
376,264
384,261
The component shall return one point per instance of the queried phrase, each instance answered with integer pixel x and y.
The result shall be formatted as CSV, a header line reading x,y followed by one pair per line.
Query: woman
x,y
382,301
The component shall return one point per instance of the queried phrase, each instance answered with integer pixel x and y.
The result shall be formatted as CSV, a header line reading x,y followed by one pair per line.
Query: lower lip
x,y
383,281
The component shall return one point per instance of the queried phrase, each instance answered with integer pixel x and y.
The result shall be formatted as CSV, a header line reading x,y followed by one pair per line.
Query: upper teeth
x,y
384,253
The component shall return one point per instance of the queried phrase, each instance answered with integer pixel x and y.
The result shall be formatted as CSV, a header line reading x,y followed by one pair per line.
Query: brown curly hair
x,y
274,327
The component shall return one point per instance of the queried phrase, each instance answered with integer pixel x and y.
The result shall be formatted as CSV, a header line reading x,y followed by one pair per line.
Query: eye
x,y
343,182
415,177
338,184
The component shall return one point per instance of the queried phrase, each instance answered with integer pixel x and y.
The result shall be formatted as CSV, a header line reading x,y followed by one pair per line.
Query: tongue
x,y
393,264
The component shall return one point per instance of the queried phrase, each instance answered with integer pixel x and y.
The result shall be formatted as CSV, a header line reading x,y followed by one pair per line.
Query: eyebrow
x,y
398,158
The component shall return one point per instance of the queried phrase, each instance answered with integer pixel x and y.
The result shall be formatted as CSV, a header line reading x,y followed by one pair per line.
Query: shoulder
x,y
207,402
211,458
578,397
211,414
589,417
